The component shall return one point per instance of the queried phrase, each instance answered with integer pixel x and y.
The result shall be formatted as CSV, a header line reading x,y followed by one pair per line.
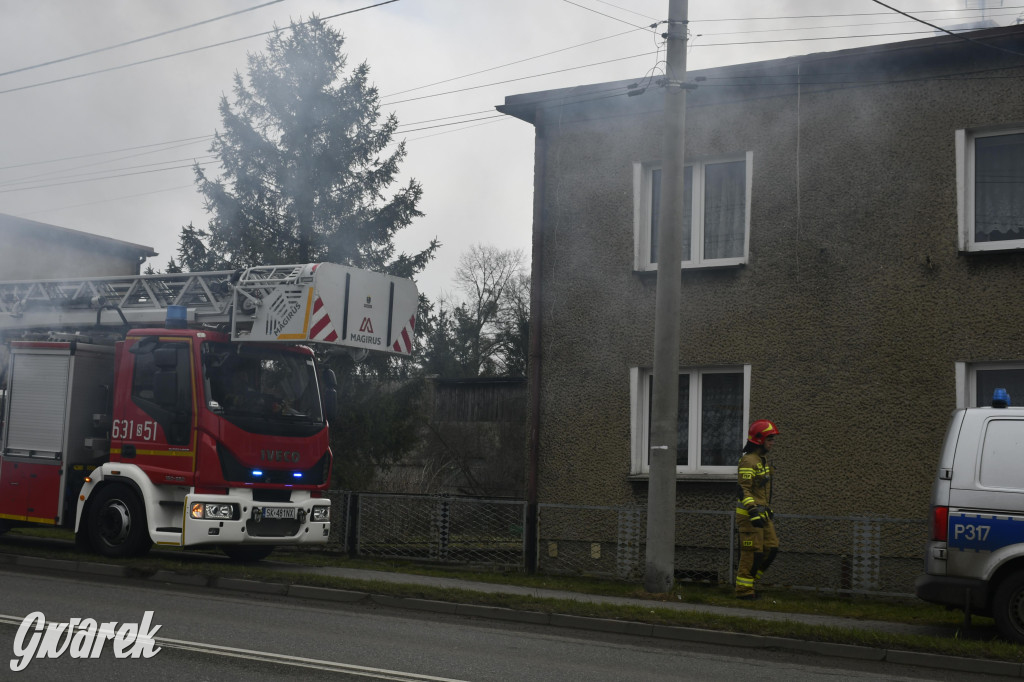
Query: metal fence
x,y
866,555
438,528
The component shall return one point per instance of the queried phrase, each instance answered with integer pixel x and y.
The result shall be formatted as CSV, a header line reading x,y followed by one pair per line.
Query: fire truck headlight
x,y
321,513
210,510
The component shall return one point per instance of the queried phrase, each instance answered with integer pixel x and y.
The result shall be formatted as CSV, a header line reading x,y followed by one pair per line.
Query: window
x,y
977,382
1000,455
713,411
990,186
174,418
716,212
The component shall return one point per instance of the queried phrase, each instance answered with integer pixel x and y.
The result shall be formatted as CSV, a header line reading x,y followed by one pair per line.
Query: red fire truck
x,y
185,410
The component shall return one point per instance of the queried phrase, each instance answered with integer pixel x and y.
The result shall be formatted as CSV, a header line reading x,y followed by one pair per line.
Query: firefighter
x,y
758,542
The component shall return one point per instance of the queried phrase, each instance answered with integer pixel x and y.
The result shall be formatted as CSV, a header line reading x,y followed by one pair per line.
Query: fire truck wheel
x,y
117,523
247,554
1008,607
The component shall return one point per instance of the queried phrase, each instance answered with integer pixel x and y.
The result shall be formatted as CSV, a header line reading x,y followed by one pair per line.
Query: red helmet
x,y
760,430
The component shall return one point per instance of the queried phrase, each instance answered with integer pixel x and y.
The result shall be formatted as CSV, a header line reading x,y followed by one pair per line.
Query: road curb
x,y
325,594
969,665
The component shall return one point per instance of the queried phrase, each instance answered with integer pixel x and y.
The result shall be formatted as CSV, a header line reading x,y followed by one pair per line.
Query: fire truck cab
x,y
209,431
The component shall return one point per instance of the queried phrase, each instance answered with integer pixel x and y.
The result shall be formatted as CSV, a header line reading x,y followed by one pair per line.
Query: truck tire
x,y
247,554
117,523
1008,607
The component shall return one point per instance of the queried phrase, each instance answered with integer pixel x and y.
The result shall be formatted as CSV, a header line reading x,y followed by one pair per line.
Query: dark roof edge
x,y
26,225
524,106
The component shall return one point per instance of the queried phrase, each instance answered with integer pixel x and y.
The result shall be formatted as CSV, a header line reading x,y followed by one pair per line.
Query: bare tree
x,y
481,329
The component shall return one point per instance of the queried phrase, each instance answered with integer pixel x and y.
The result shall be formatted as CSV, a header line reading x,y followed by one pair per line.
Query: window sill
x,y
688,478
996,247
690,267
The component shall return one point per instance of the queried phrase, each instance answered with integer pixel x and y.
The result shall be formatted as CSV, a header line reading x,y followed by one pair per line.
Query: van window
x,y
1002,455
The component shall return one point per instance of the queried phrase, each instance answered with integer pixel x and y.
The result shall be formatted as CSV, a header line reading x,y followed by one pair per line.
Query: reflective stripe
x,y
747,501
742,512
744,582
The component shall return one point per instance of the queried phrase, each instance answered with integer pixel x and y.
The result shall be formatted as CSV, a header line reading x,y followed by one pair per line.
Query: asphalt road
x,y
207,634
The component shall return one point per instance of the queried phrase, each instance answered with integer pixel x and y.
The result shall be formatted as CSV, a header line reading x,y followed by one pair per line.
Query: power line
x,y
815,28
438,94
454,123
138,40
955,35
457,130
590,9
67,169
518,61
627,10
512,80
183,52
105,201
112,151
834,16
108,177
63,175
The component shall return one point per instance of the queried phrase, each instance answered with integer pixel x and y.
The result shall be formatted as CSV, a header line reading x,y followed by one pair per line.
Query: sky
x,y
102,143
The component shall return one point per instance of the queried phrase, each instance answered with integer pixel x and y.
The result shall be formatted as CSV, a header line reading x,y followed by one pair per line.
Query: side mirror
x,y
330,394
331,403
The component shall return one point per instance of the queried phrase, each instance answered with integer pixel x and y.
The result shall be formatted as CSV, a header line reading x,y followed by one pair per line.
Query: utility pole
x,y
661,491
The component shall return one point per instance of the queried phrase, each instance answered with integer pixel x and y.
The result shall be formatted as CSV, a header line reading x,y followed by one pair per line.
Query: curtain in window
x,y
687,211
725,201
721,419
999,188
683,423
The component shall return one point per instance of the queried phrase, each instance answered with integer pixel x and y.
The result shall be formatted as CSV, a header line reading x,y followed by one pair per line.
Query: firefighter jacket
x,y
755,482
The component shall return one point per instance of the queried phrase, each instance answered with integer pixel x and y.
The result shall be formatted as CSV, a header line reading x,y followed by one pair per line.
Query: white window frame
x,y
967,382
640,414
642,215
965,180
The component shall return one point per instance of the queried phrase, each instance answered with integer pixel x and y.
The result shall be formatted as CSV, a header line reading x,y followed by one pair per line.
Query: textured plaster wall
x,y
852,309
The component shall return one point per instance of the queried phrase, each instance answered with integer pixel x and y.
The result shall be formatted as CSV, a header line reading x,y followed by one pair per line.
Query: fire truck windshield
x,y
262,389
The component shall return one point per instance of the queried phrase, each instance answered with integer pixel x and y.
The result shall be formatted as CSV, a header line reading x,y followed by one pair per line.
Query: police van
x,y
975,558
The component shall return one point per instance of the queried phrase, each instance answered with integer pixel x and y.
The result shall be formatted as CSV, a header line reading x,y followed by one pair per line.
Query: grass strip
x,y
784,601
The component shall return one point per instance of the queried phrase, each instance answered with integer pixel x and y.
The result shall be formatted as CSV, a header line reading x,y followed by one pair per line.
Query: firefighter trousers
x,y
758,548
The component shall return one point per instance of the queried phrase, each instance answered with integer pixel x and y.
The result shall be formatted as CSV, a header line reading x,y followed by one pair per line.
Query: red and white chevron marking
x,y
405,337
321,328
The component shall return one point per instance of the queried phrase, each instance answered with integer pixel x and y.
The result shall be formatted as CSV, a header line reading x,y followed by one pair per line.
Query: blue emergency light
x,y
256,473
177,317
1000,398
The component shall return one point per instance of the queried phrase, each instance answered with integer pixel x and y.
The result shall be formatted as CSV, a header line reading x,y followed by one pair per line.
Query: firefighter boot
x,y
750,563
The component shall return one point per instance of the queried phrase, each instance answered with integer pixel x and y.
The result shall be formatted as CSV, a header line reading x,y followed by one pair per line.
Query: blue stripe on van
x,y
984,532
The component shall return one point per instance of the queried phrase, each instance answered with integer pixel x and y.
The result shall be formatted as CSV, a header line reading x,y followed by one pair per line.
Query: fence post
x,y
734,542
531,537
443,526
352,526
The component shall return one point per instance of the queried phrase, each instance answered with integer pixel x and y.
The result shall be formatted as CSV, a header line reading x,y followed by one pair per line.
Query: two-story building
x,y
853,260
